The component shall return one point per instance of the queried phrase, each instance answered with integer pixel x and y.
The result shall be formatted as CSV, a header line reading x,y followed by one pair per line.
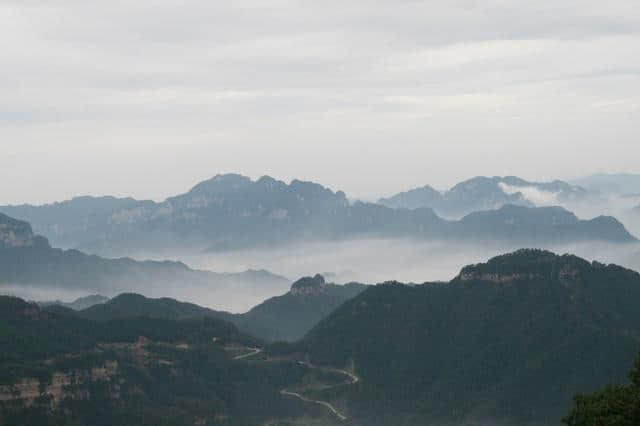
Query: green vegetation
x,y
509,341
617,405
288,317
506,342
170,372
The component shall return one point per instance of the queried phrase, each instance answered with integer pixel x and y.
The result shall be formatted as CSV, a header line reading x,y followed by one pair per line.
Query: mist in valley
x,y
368,261
237,280
374,261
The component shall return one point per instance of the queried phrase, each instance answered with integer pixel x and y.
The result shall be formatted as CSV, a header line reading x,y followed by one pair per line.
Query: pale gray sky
x,y
146,98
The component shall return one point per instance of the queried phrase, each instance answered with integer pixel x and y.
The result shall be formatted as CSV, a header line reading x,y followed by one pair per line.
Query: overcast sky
x,y
146,98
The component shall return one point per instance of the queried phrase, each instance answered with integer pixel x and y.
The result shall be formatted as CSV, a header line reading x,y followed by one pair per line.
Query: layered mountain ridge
x,y
29,264
232,212
489,193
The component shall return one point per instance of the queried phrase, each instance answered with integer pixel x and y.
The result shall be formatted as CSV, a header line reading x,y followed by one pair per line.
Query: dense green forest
x,y
510,341
507,342
616,405
169,372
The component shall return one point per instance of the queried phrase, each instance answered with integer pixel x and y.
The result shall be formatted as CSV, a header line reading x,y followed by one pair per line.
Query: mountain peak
x,y
221,183
527,265
309,285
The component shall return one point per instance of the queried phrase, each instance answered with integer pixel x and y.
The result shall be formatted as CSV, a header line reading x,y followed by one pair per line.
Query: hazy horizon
x,y
147,99
373,196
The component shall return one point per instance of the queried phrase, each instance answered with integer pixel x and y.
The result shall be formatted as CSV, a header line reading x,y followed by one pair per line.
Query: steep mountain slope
x,y
506,342
232,212
489,193
16,233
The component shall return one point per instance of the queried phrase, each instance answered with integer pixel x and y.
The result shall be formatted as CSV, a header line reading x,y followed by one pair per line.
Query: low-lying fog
x,y
369,260
377,260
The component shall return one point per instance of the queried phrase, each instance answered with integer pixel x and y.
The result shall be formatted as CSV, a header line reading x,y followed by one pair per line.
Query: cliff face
x,y
16,233
496,277
62,385
309,286
529,265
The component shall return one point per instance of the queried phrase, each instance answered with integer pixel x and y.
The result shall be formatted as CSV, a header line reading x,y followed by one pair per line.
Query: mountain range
x,y
615,183
490,193
232,212
28,261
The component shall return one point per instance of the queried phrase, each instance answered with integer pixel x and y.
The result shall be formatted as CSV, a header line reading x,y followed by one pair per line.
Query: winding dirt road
x,y
314,401
351,379
253,351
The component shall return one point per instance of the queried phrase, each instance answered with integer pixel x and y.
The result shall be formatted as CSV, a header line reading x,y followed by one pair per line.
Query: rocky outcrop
x,y
496,277
61,385
528,265
17,233
309,286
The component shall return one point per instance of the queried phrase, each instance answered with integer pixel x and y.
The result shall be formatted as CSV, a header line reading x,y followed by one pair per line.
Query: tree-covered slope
x,y
290,316
287,317
57,368
616,405
128,305
506,342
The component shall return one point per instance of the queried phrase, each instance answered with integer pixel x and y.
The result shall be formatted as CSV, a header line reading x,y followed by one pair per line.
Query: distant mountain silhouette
x,y
416,198
27,260
614,183
489,193
232,212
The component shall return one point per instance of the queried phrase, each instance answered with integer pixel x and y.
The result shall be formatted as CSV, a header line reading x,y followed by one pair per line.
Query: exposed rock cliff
x,y
16,233
61,385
